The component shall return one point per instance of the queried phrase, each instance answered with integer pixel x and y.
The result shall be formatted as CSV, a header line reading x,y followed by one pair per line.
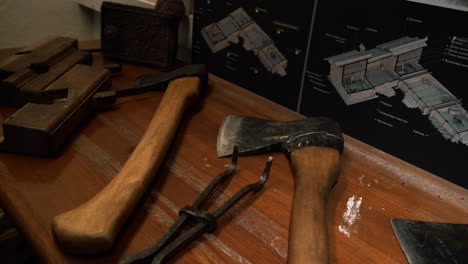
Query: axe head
x,y
160,80
255,135
432,242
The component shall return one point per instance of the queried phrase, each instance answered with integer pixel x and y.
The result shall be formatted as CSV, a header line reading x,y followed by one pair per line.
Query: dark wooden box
x,y
142,35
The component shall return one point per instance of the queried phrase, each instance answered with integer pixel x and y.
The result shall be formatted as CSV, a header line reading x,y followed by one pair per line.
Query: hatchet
x,y
432,242
314,146
93,226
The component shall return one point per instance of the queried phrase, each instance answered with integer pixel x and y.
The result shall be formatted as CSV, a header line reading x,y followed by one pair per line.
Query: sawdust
x,y
350,215
273,241
361,178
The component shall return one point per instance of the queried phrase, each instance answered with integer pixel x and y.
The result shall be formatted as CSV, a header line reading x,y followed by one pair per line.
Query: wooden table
x,y
374,185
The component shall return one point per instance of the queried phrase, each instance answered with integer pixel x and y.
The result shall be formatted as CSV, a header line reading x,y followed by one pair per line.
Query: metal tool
x,y
69,100
431,242
151,82
201,221
314,146
92,227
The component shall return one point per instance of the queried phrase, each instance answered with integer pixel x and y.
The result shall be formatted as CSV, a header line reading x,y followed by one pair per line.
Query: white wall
x,y
96,4
23,22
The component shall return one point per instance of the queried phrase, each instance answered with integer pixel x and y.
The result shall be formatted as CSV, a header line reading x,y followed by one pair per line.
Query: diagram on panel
x,y
457,51
239,24
461,5
362,75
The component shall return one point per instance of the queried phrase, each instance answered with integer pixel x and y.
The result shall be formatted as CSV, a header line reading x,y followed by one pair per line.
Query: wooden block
x,y
25,75
40,129
140,35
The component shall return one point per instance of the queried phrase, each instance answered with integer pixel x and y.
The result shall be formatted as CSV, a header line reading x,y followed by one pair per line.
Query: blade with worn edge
x,y
255,135
156,81
431,242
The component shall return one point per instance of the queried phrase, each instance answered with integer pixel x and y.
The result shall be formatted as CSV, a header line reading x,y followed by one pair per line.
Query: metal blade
x,y
430,242
255,135
160,80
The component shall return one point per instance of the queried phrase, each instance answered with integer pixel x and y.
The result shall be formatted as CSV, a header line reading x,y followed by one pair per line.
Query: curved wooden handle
x,y
93,226
316,169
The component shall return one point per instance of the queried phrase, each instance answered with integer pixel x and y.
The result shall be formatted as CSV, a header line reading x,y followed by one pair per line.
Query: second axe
x,y
314,146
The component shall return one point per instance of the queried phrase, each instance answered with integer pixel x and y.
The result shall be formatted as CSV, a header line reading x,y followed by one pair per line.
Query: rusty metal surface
x,y
200,220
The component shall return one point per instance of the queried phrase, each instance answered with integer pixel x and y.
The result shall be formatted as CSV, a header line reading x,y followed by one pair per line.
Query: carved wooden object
x,y
143,35
25,75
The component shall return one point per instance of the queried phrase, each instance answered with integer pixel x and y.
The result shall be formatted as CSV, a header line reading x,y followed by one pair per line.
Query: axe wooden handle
x,y
316,170
93,226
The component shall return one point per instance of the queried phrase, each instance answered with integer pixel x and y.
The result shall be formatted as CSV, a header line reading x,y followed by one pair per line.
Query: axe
x,y
93,226
314,146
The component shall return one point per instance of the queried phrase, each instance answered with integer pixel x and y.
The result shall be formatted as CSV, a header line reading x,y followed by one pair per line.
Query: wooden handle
x,y
93,226
315,170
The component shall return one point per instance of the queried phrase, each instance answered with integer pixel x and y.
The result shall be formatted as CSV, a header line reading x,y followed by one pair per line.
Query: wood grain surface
x,y
93,226
372,188
315,170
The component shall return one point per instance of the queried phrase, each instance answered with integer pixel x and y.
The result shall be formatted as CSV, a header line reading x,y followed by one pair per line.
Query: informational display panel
x,y
394,74
259,45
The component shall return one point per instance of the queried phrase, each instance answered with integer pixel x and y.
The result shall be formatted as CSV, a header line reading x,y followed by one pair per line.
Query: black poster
x,y
394,74
259,45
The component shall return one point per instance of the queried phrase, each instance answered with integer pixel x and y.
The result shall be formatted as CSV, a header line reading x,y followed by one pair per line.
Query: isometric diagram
x,y
360,76
239,24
